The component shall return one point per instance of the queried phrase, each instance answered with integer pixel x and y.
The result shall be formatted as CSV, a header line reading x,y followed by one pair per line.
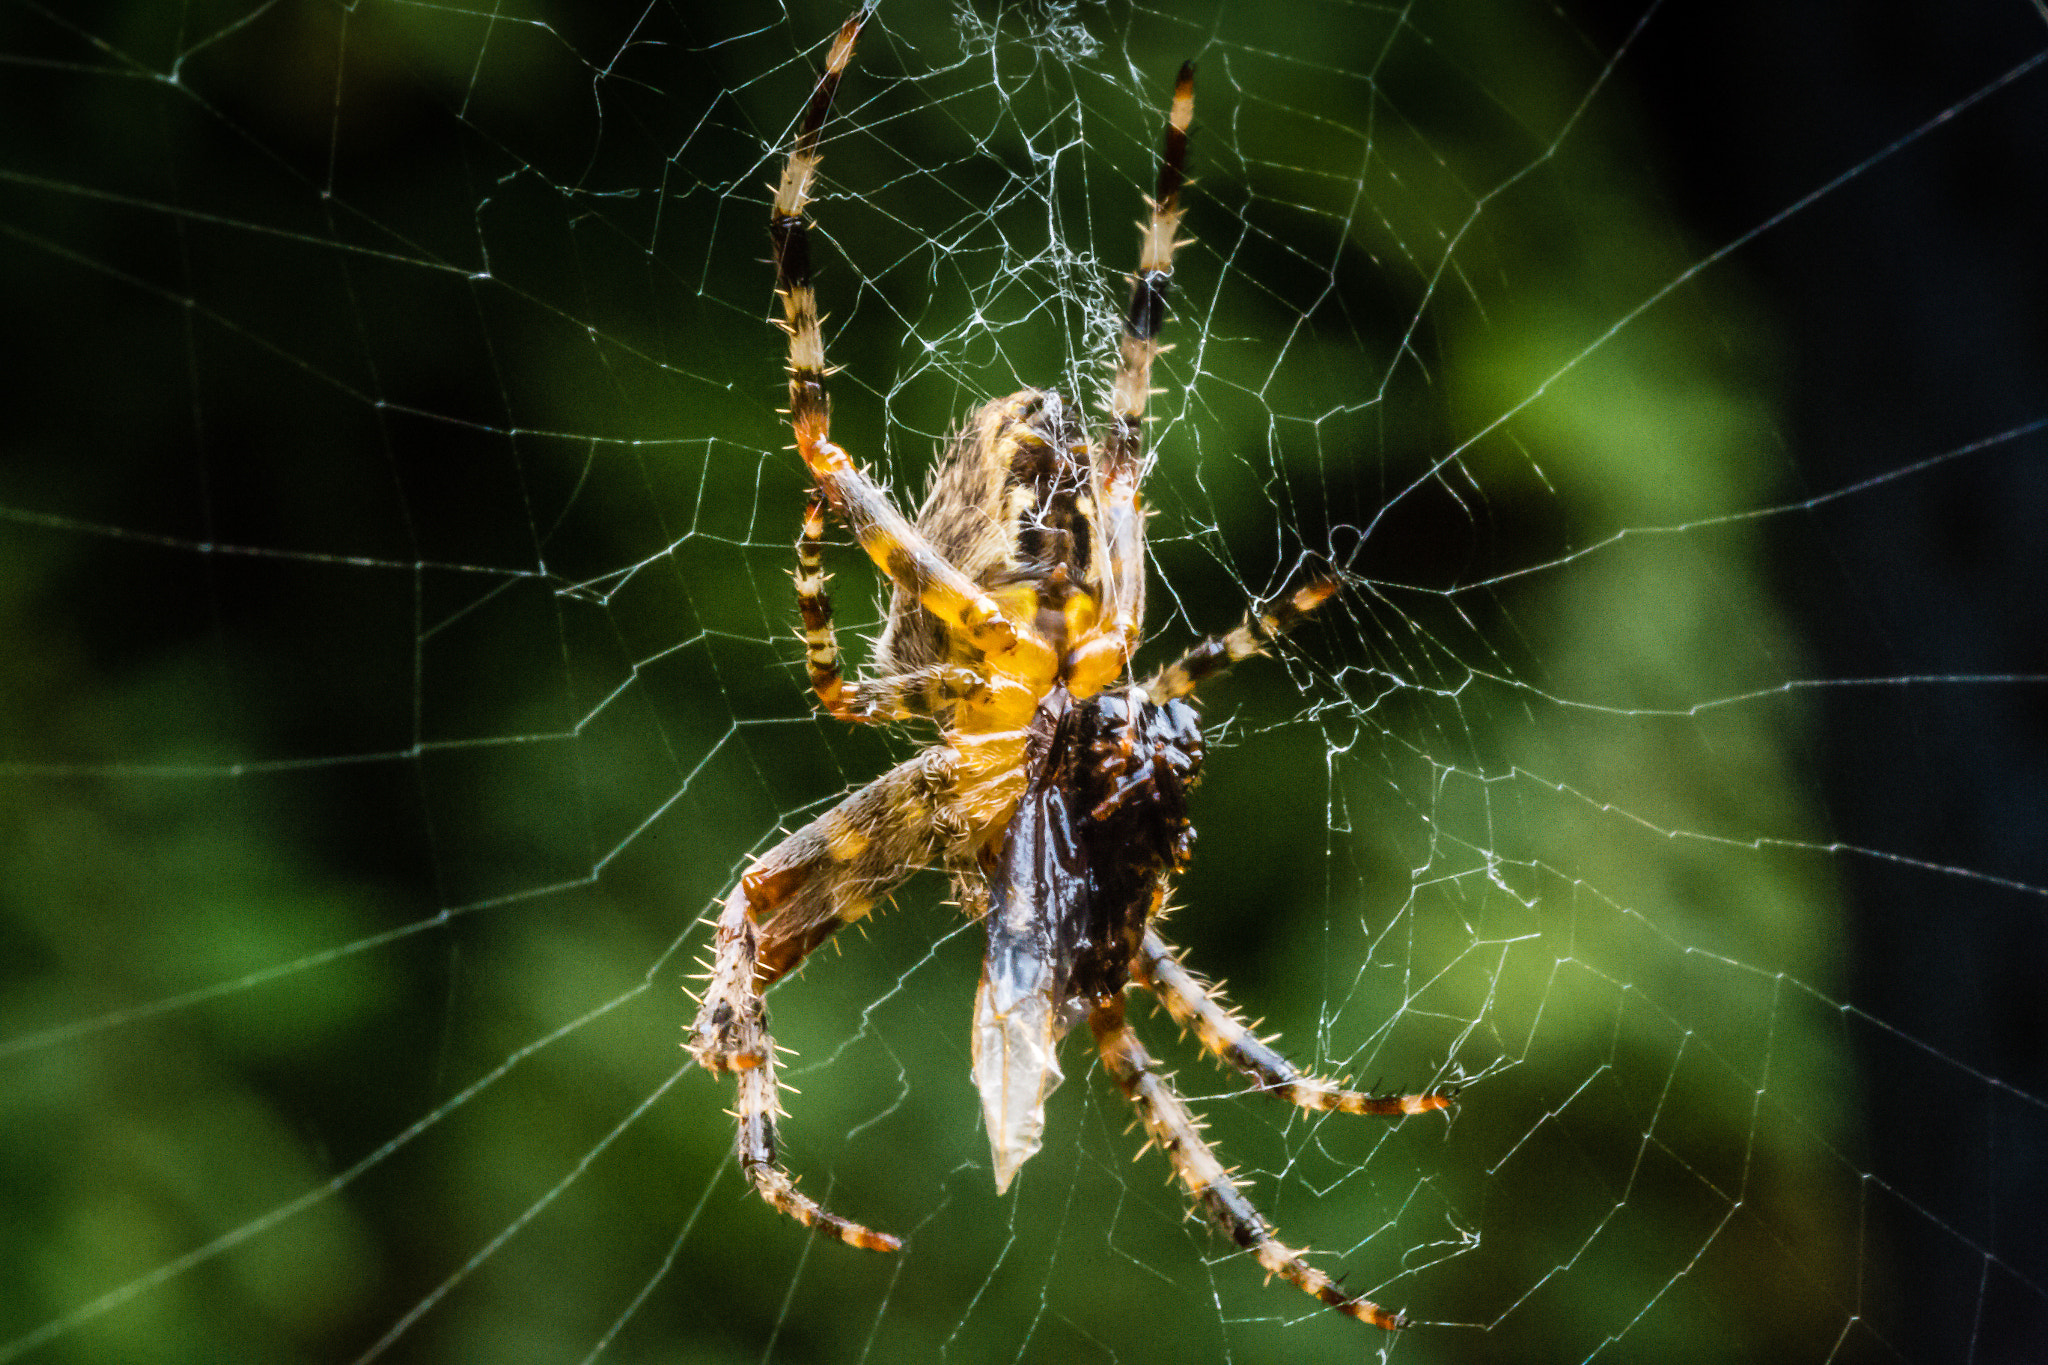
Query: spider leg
x,y
1175,1131
826,875
899,696
897,547
821,641
757,1108
1198,1006
1120,520
1258,630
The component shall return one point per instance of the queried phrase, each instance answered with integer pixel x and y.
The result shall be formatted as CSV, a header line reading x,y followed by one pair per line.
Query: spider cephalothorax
x,y
1056,795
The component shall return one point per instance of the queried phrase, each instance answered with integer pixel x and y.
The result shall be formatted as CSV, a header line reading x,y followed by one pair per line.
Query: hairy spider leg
x,y
902,694
1250,637
896,546
1121,468
1173,1128
1198,1007
795,896
757,1107
856,702
821,641
899,696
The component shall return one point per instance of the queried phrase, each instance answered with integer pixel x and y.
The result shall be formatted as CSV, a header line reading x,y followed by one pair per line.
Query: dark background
x,y
1914,309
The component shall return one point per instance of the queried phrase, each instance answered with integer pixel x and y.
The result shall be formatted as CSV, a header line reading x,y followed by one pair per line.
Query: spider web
x,y
399,661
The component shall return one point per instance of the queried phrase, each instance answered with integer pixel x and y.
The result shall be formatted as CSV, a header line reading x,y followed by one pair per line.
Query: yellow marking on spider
x,y
848,841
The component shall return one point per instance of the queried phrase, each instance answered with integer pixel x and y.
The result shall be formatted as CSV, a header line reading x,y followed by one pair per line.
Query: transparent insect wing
x,y
1038,894
1016,1067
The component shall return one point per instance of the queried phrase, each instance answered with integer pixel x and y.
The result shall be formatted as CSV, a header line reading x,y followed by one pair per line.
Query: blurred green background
x,y
394,537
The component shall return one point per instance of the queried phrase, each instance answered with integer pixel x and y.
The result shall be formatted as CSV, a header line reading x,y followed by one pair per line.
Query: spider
x,y
1056,794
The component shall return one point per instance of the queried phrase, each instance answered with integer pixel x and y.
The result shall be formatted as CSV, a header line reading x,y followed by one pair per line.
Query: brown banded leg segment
x,y
913,563
799,893
757,1109
1196,1006
826,875
1174,1130
808,405
732,1034
821,641
1217,653
1119,516
900,696
887,536
1146,314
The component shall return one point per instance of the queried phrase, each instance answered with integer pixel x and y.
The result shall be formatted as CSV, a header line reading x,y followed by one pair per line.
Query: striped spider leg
x,y
918,567
1173,1129
1198,1006
826,875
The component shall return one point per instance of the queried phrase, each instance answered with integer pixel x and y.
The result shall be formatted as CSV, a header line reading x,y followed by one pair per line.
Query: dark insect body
x,y
1104,817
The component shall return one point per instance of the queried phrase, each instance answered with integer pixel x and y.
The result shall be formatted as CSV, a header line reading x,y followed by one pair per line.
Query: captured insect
x,y
1056,794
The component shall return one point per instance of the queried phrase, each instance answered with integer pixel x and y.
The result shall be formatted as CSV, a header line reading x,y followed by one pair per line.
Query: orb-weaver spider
x,y
1056,793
